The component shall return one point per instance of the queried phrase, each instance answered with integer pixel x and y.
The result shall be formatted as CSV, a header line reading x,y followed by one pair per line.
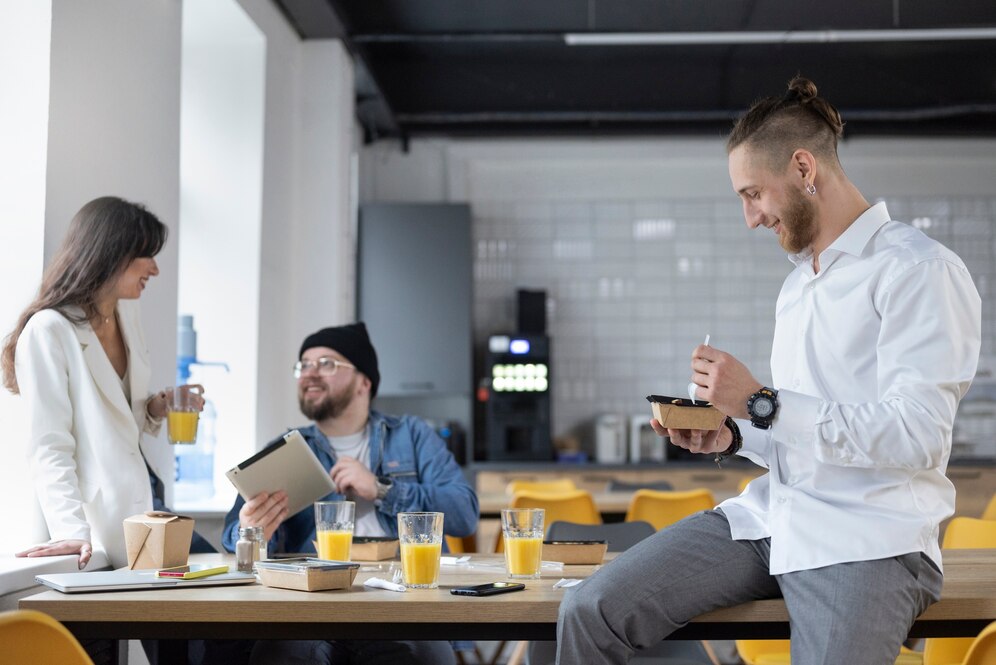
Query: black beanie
x,y
353,342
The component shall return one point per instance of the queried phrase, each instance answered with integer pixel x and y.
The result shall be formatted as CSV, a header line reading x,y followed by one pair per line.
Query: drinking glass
x,y
522,529
182,416
334,529
421,536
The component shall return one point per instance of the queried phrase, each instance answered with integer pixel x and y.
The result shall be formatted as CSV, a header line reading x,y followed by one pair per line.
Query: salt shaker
x,y
247,549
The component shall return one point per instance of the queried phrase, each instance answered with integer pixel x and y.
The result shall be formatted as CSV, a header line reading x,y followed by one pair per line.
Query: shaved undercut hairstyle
x,y
775,127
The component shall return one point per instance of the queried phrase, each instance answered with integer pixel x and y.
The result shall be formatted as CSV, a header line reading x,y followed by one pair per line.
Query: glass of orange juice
x,y
334,529
421,536
522,529
181,419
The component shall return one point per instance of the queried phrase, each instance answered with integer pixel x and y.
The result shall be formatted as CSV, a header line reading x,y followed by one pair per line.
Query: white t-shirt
x,y
357,446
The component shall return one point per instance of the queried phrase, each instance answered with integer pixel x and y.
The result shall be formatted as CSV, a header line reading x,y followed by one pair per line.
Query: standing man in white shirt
x,y
877,339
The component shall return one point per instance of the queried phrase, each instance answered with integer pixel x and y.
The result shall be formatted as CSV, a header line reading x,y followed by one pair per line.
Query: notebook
x,y
126,580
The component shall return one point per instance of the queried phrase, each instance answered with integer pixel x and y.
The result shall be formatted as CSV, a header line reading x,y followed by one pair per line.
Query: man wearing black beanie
x,y
385,464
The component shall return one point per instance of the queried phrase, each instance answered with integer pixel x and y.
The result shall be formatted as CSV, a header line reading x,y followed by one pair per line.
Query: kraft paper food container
x,y
371,548
575,551
307,575
157,539
681,413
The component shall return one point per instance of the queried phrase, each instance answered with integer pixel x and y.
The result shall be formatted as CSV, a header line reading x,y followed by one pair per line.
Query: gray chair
x,y
621,536
622,486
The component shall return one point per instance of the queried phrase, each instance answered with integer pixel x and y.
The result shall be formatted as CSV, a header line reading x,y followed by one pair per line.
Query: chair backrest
x,y
622,486
665,508
549,486
27,636
461,545
620,535
969,533
573,506
990,512
983,650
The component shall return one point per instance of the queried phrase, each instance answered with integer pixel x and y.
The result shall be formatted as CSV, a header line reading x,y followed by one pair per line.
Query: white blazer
x,y
85,443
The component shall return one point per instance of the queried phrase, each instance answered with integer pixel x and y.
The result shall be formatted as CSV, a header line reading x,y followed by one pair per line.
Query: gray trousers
x,y
856,613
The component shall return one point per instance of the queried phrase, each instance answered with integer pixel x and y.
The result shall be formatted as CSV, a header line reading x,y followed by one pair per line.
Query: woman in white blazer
x,y
79,360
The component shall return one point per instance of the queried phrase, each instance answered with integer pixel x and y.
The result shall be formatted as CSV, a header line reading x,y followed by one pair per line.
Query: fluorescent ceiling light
x,y
773,37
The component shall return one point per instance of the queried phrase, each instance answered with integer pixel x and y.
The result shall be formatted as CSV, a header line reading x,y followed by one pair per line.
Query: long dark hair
x,y
104,237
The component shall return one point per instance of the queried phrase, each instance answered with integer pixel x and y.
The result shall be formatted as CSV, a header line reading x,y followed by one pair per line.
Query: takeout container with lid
x,y
307,574
575,552
683,413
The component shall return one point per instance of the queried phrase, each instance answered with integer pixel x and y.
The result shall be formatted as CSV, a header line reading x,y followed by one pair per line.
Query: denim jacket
x,y
405,449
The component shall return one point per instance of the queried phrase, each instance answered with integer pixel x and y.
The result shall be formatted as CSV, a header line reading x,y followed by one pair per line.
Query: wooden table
x,y
258,612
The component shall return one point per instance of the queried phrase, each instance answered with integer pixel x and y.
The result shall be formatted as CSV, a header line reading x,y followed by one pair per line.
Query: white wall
x,y
114,128
306,262
106,121
24,81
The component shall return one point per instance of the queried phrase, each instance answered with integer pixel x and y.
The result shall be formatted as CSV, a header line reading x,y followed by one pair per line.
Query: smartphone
x,y
487,589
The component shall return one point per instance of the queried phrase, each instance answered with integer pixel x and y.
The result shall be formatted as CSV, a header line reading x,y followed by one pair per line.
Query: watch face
x,y
763,407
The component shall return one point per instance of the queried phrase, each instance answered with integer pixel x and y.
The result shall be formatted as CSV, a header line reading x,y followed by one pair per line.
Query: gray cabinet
x,y
414,282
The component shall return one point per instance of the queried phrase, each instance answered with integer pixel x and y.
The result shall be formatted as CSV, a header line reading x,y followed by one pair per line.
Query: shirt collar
x,y
855,237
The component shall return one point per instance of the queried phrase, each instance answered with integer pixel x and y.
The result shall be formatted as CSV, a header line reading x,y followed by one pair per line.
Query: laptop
x,y
128,580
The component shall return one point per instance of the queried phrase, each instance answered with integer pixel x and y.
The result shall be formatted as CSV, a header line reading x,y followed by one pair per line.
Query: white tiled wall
x,y
633,287
642,248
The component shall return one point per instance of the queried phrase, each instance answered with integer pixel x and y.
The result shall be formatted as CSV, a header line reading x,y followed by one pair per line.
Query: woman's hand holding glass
x,y
158,404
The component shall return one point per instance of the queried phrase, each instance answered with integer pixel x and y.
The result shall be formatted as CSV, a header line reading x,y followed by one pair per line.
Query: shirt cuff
x,y
795,423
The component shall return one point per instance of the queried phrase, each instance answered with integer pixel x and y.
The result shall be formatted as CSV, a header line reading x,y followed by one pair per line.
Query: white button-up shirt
x,y
870,357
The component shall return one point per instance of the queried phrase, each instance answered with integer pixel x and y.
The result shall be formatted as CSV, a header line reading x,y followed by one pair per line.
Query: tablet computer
x,y
287,465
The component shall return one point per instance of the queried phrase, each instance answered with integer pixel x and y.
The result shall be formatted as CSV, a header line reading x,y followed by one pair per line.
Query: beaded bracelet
x,y
734,447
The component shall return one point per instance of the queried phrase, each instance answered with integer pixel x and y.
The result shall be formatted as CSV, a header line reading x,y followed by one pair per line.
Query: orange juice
x,y
334,545
182,426
522,556
420,563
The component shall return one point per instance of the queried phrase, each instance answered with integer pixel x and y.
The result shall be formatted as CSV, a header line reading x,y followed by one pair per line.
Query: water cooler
x,y
518,406
194,463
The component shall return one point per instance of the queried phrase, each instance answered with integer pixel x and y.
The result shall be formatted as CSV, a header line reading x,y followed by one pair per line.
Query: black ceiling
x,y
503,67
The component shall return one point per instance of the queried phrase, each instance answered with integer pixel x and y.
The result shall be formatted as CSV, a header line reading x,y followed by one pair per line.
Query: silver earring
x,y
811,188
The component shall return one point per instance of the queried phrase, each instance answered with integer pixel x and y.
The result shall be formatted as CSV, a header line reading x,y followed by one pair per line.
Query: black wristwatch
x,y
762,407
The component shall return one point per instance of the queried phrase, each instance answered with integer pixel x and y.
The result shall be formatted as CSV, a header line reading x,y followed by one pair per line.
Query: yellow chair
x,y
744,482
990,512
662,509
983,650
962,533
778,652
763,652
464,545
576,506
548,486
27,636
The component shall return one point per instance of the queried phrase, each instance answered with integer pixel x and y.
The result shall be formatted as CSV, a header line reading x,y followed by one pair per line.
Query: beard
x,y
332,405
798,223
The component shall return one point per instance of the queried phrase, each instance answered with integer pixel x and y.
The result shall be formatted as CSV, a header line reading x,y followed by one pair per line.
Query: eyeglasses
x,y
325,366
